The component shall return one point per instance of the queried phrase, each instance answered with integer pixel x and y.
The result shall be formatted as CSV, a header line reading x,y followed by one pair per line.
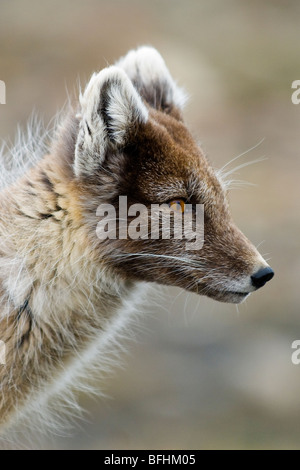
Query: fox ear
x,y
111,109
151,77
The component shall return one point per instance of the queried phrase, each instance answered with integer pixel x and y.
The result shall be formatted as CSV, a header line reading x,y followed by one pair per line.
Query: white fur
x,y
147,65
48,408
28,149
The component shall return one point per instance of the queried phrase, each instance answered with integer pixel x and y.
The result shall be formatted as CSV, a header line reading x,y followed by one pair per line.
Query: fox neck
x,y
59,297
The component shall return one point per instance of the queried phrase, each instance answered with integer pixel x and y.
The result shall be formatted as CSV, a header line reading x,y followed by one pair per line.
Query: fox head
x,y
131,141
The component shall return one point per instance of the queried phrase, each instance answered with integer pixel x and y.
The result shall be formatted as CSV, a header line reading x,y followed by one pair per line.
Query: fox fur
x,y
66,296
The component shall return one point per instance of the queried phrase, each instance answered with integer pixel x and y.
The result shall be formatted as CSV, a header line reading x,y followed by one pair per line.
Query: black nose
x,y
262,276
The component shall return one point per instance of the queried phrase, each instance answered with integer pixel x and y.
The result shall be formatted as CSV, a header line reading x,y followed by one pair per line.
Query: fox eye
x,y
178,205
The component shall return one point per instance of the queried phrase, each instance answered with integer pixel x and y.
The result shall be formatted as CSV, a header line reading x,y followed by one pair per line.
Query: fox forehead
x,y
165,161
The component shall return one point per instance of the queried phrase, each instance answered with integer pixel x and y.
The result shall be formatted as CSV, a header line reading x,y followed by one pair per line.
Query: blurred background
x,y
200,375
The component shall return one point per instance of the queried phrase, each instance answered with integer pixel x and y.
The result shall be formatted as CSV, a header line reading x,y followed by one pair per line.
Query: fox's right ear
x,y
110,111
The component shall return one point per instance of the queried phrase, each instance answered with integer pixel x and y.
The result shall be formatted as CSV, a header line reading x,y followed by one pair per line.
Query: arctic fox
x,y
66,294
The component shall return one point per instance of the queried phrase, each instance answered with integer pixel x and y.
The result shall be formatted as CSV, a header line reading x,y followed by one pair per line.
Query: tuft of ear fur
x,y
151,77
111,109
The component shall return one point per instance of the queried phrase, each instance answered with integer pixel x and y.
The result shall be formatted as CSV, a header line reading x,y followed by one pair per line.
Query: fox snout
x,y
256,281
232,266
250,284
